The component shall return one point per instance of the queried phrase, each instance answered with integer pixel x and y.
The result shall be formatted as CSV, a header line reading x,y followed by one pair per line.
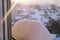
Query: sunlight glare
x,y
3,19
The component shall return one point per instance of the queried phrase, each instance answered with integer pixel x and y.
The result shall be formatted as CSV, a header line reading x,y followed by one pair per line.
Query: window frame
x,y
6,5
9,20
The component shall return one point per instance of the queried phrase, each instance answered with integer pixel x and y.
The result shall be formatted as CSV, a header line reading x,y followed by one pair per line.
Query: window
x,y
46,11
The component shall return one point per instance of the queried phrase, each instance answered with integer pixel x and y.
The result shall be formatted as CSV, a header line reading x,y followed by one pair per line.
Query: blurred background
x,y
46,11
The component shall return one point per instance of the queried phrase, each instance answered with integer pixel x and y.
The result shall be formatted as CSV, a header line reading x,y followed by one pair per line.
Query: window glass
x,y
46,11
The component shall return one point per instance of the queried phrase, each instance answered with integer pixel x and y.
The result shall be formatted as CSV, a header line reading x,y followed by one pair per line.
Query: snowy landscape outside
x,y
48,14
